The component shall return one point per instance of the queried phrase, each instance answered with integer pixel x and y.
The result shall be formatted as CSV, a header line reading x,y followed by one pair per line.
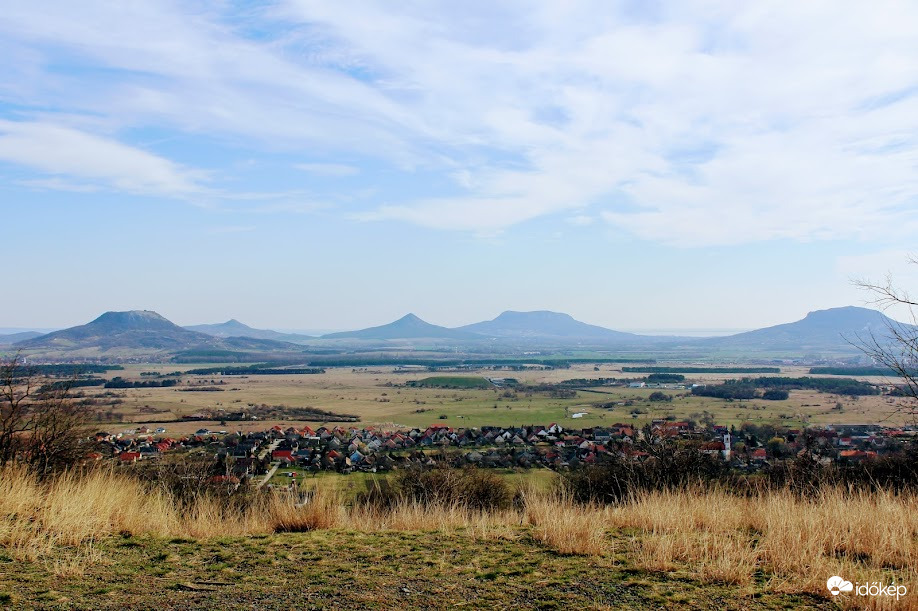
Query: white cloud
x,y
58,184
580,220
688,123
728,126
64,151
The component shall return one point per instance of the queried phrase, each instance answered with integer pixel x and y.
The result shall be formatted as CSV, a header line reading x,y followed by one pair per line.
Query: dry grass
x,y
714,557
566,527
791,543
798,543
73,510
322,509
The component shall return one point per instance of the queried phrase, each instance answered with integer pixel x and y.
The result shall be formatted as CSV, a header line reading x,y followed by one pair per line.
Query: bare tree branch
x,y
898,350
39,426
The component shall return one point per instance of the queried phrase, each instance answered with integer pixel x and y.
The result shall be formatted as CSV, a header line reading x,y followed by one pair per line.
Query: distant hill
x,y
544,324
832,329
144,334
234,328
12,338
407,327
139,332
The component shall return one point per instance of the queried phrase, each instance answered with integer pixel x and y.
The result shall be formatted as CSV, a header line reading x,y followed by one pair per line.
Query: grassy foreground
x,y
105,541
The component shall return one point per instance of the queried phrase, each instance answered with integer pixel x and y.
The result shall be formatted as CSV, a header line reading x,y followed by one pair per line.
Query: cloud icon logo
x,y
836,584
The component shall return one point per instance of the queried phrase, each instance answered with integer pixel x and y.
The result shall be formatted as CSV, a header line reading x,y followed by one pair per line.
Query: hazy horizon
x,y
317,331
319,165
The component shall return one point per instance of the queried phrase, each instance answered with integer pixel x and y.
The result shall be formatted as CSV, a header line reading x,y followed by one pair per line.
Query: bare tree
x,y
15,395
898,348
39,426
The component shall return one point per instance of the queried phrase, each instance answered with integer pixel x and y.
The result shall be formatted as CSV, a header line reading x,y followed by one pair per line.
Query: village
x,y
247,456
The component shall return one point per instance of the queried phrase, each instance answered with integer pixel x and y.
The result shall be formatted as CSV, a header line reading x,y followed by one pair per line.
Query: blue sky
x,y
336,164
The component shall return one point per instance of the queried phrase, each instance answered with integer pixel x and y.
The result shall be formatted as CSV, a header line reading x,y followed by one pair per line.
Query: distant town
x,y
245,456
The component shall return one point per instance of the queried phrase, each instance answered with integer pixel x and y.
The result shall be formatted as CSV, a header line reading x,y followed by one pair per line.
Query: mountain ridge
x,y
409,326
537,324
234,328
8,339
143,331
139,333
841,327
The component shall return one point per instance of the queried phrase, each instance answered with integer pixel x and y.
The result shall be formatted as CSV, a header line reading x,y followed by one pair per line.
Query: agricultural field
x,y
386,397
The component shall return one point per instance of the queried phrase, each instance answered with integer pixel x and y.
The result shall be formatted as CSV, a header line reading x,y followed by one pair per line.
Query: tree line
x,y
776,388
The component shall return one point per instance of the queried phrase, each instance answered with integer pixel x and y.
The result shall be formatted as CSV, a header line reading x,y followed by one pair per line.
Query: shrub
x,y
667,468
775,394
665,378
471,488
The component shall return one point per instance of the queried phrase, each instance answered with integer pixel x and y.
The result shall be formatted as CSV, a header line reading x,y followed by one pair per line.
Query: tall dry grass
x,y
792,543
74,510
797,542
567,527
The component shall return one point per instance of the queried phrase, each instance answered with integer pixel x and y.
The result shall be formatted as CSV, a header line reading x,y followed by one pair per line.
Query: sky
x,y
333,165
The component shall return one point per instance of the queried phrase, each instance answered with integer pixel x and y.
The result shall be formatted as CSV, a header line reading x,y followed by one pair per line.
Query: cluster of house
x,y
137,444
370,449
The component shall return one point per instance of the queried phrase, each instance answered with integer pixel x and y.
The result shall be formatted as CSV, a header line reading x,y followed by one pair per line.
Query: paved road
x,y
267,451
267,478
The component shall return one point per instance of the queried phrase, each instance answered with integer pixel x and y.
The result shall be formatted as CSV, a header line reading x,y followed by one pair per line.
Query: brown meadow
x,y
775,539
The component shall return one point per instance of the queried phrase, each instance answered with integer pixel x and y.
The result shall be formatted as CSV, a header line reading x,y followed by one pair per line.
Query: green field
x,y
386,397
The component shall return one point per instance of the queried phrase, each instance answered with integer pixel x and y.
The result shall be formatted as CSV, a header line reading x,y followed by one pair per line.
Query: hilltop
x,y
406,327
544,324
832,329
143,333
137,333
234,328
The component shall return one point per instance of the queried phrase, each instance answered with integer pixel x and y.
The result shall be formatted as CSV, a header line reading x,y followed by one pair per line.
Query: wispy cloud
x,y
741,124
58,184
689,124
94,160
580,220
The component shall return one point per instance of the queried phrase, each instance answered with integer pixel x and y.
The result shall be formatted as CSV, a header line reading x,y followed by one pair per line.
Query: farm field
x,y
381,397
